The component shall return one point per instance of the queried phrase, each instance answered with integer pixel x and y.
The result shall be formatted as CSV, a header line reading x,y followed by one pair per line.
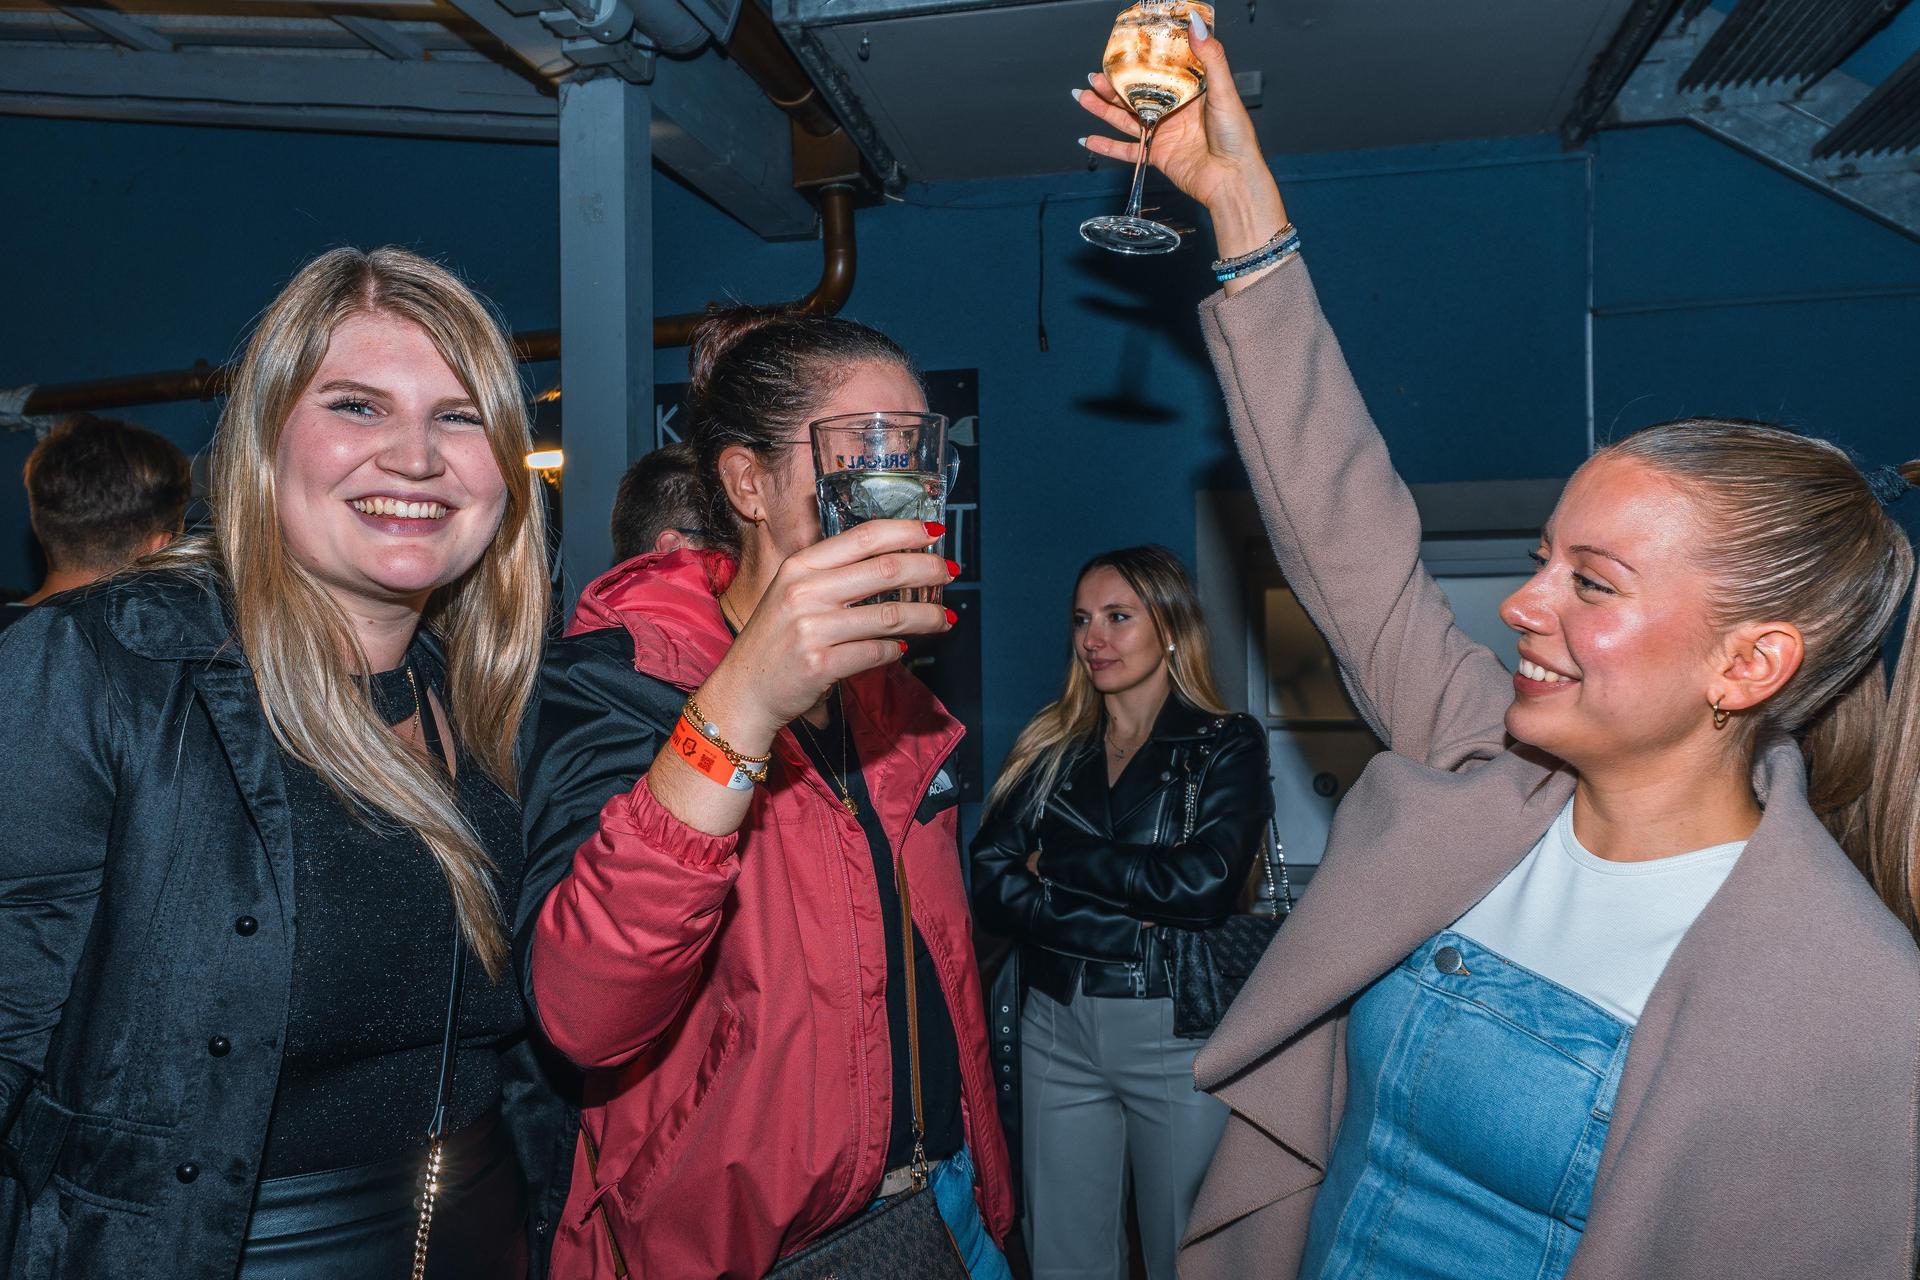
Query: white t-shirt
x,y
1604,929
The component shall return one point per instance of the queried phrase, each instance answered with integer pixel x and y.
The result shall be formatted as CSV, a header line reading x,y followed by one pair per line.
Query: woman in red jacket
x,y
726,961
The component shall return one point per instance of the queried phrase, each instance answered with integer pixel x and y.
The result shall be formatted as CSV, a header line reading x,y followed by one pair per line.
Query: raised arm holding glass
x,y
1585,986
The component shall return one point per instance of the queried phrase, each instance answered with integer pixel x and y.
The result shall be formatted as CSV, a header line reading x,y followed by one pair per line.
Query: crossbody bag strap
x,y
449,1040
913,1021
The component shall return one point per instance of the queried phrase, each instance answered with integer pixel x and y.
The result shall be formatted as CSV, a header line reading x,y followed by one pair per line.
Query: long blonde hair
x,y
1043,748
1800,535
491,620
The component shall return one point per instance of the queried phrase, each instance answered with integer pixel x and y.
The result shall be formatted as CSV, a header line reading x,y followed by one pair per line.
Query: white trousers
x,y
1106,1096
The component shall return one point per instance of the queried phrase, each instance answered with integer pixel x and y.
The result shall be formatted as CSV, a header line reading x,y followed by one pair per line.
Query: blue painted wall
x,y
1458,277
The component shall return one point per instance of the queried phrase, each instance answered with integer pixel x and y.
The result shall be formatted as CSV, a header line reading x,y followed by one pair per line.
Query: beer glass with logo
x,y
890,465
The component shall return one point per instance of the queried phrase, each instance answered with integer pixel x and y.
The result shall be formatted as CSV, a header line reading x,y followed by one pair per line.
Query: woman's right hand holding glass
x,y
1210,150
807,633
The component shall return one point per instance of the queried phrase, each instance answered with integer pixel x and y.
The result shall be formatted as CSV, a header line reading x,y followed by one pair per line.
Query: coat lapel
x,y
1419,846
1081,798
233,705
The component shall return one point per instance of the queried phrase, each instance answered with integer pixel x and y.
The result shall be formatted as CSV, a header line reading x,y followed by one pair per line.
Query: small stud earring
x,y
1720,717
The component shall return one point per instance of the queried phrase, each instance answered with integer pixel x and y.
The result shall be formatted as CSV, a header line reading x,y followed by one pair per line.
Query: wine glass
x,y
1151,66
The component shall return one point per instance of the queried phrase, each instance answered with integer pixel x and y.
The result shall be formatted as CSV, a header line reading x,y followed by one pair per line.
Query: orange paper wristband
x,y
693,749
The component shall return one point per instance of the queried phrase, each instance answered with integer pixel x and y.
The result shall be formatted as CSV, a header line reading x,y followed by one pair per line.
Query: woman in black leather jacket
x,y
1133,803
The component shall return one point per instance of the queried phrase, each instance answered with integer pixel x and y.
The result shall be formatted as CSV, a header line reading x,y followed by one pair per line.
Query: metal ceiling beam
x,y
522,34
267,80
1777,124
714,128
796,20
119,28
383,36
443,98
711,124
1614,67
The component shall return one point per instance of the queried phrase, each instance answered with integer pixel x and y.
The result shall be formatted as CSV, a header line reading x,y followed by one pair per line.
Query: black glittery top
x,y
373,946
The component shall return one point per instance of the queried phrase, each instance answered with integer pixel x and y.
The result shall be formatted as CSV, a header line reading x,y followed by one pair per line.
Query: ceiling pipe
x,y
205,381
757,47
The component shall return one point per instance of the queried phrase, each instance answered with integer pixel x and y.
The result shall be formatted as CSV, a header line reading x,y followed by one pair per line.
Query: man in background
x,y
659,506
101,493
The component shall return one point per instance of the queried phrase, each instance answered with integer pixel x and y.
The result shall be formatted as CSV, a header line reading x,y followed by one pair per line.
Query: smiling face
x,y
1618,660
784,491
1113,635
385,479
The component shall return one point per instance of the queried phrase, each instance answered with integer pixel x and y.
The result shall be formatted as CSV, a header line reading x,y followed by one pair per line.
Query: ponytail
x,y
1893,804
1840,750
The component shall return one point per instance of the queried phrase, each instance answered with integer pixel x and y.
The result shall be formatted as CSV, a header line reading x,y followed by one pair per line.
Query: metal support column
x,y
606,308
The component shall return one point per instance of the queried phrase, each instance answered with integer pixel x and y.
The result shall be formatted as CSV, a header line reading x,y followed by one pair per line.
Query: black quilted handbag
x,y
905,1235
1209,966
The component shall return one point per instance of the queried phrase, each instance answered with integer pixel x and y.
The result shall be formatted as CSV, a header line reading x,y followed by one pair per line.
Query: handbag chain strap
x,y
449,1041
919,1166
1273,867
1277,857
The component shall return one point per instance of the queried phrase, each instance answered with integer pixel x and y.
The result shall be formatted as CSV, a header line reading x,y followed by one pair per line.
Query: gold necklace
x,y
847,801
419,725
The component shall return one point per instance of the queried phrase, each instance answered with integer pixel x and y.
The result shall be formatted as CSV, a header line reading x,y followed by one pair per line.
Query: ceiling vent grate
x,y
1794,40
1888,120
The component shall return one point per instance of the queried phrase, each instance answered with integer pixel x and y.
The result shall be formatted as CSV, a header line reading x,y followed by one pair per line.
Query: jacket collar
x,y
181,615
171,616
670,603
1084,794
1181,721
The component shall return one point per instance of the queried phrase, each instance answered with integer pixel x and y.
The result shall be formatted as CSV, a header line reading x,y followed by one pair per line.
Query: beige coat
x,y
1765,1127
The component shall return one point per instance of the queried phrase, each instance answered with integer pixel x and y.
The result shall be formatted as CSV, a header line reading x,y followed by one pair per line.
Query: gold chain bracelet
x,y
755,767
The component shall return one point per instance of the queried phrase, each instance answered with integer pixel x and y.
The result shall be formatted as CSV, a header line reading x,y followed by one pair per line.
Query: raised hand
x,y
1208,149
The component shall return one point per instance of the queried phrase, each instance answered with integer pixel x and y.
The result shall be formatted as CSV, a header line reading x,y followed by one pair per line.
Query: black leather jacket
x,y
1104,875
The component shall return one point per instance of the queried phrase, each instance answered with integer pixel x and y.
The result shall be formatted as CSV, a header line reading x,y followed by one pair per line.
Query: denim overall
x,y
1478,1099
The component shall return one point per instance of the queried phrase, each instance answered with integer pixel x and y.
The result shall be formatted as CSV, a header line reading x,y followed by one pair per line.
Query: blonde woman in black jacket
x,y
253,793
1134,803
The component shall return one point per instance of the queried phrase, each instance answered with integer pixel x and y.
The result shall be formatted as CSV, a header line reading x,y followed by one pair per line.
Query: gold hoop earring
x,y
1720,717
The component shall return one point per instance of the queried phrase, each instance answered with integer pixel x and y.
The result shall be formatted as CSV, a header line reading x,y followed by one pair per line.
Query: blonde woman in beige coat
x,y
1587,987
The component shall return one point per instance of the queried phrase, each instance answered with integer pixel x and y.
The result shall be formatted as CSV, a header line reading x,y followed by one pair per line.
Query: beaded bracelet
x,y
1284,244
755,767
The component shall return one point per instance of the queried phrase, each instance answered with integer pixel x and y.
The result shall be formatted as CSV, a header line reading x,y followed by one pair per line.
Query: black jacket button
x,y
218,1046
187,1172
245,926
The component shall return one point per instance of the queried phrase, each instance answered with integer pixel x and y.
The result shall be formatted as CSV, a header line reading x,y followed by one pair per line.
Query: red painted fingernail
x,y
953,569
903,646
935,528
952,617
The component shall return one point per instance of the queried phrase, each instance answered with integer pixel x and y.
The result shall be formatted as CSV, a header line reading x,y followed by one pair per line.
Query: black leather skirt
x,y
360,1222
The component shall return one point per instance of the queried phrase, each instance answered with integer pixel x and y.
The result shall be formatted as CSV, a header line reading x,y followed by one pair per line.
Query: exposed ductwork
x,y
206,381
1768,79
